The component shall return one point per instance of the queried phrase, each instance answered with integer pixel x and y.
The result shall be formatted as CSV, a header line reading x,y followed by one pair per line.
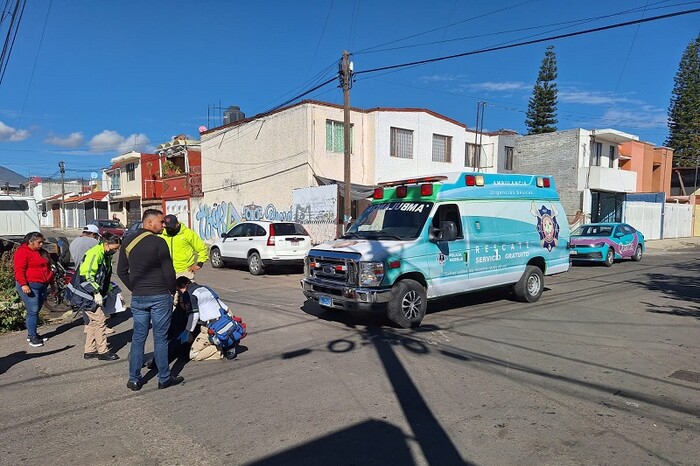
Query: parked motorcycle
x,y
55,299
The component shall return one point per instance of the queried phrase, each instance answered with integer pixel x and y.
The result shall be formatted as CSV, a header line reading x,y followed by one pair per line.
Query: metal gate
x,y
645,217
678,220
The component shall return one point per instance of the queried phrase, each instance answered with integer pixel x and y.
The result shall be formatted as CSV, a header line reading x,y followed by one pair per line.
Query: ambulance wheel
x,y
255,265
407,303
609,257
216,260
530,286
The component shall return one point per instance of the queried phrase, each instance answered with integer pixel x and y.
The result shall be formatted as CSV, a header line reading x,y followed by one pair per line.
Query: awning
x,y
357,191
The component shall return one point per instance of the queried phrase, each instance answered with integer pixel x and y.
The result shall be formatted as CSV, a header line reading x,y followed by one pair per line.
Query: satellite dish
x,y
93,176
202,129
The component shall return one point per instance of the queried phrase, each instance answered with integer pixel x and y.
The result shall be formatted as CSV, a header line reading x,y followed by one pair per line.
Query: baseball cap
x,y
92,229
171,221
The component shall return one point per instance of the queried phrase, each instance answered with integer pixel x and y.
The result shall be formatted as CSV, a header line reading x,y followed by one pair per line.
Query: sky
x,y
89,80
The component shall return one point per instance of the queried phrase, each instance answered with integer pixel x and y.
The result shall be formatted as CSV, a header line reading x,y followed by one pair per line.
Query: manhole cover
x,y
690,376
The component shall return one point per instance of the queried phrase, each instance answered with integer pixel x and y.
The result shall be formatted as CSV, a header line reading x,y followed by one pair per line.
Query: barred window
x,y
442,148
472,155
509,158
402,143
335,141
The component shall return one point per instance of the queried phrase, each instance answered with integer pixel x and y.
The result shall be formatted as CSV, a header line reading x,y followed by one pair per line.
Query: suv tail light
x,y
271,238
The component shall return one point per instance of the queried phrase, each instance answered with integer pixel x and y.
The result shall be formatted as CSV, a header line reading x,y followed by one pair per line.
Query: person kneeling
x,y
220,328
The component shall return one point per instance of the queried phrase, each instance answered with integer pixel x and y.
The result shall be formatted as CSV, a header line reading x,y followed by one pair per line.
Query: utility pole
x,y
479,126
62,168
345,77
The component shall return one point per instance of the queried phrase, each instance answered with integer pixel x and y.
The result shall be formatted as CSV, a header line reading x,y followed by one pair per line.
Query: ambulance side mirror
x,y
446,232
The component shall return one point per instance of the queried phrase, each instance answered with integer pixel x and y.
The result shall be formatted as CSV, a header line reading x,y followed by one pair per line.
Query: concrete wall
x,y
555,154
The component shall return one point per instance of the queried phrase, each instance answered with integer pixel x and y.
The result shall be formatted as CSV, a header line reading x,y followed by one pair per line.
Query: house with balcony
x,y
585,167
124,181
651,163
172,177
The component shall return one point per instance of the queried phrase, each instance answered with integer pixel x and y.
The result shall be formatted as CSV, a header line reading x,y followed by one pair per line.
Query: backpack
x,y
226,332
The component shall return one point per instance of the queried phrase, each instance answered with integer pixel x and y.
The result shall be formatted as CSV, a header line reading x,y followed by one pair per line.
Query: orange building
x,y
652,165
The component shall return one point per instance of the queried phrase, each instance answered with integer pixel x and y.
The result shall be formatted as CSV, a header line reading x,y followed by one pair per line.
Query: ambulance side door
x,y
448,259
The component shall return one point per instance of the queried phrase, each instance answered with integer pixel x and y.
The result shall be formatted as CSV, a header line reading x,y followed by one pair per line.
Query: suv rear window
x,y
287,229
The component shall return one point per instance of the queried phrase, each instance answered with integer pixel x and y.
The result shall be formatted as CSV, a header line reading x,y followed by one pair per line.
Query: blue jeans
x,y
33,304
156,310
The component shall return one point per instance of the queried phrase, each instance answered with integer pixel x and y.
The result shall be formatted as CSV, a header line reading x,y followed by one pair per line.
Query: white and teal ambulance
x,y
440,235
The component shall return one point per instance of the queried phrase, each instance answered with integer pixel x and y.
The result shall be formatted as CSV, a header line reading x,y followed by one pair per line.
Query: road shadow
x,y
64,327
680,288
369,442
6,362
427,431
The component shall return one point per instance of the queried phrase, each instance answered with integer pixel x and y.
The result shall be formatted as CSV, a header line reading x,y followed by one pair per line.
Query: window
x,y
130,171
14,204
335,142
509,158
472,155
448,213
114,181
612,157
289,229
442,148
402,143
597,154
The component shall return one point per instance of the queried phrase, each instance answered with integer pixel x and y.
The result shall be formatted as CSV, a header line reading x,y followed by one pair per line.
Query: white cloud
x,y
8,133
575,96
441,78
111,141
645,117
72,141
490,86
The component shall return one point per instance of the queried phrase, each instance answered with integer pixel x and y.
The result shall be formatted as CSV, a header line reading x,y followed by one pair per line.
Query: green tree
x,y
541,113
684,111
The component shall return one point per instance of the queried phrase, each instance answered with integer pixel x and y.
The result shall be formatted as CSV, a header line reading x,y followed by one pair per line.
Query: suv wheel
x,y
255,265
216,260
407,303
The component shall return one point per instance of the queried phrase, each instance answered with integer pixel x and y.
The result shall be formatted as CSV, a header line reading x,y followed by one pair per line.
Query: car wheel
x,y
609,257
637,253
407,303
530,286
255,265
216,260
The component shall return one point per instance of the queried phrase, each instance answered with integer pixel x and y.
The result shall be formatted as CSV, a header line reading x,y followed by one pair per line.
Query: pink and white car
x,y
605,242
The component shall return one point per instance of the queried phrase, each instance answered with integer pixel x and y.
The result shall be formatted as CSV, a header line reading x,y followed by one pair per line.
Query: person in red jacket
x,y
33,275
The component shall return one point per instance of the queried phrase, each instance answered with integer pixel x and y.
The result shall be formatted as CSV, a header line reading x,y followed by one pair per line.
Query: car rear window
x,y
287,229
111,224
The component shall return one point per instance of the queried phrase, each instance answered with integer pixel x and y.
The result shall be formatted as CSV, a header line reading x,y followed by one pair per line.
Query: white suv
x,y
262,244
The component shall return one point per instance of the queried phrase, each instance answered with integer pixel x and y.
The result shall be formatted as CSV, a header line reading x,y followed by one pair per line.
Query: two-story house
x,y
125,187
251,167
585,166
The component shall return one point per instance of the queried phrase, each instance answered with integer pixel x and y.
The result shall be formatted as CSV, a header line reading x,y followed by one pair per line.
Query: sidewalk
x,y
670,245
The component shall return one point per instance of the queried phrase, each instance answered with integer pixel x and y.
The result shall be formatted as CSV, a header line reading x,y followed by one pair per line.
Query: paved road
x,y
582,377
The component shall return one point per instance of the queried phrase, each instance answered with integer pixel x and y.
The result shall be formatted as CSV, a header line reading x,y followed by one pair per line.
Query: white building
x,y
251,167
585,166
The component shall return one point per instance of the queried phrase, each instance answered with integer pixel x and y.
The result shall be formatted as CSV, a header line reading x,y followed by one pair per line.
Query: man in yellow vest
x,y
188,251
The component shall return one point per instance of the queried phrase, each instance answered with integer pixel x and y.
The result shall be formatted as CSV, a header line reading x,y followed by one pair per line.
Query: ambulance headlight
x,y
371,273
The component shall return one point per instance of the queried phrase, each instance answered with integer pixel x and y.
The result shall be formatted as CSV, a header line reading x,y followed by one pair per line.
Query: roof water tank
x,y
232,114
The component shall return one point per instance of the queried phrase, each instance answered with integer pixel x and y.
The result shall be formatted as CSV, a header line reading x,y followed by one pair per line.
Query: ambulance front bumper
x,y
346,297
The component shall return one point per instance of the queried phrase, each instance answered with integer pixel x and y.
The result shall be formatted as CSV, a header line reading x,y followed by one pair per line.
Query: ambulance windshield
x,y
391,220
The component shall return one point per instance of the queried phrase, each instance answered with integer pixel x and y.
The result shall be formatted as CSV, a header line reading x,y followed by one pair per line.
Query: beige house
x,y
252,167
125,187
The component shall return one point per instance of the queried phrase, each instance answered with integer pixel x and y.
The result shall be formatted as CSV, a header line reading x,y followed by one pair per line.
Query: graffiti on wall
x,y
213,220
270,213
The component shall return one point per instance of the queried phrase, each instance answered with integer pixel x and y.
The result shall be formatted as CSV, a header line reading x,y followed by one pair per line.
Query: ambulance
x,y
441,235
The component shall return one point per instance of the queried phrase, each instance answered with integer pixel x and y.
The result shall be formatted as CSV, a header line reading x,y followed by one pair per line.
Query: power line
x,y
9,44
508,31
529,42
509,7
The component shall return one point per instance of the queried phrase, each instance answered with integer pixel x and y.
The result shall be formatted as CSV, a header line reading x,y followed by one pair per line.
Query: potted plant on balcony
x,y
170,169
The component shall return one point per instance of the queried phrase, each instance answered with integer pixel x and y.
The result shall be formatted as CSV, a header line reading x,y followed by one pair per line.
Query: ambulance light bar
x,y
426,179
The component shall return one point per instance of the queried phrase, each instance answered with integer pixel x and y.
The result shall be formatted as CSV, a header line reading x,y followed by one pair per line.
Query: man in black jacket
x,y
147,270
